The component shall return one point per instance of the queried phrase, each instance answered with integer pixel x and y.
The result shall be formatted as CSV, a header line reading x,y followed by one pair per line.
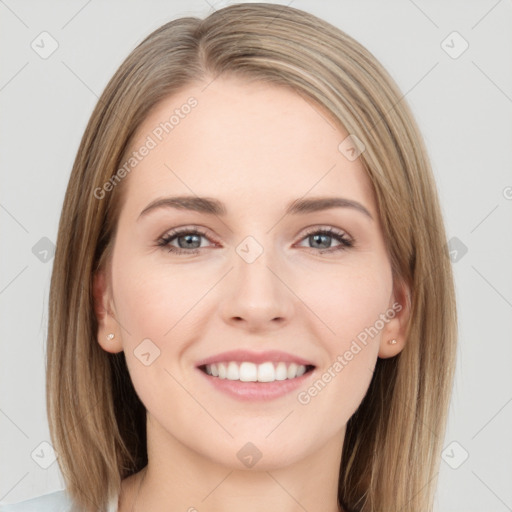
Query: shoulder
x,y
58,501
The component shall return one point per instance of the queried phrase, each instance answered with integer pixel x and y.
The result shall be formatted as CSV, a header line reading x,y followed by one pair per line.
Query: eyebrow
x,y
215,207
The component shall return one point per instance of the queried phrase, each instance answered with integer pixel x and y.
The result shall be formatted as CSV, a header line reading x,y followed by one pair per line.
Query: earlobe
x,y
389,347
393,338
107,326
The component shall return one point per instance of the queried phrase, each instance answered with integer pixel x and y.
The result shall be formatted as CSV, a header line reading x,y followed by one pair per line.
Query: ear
x,y
105,314
395,328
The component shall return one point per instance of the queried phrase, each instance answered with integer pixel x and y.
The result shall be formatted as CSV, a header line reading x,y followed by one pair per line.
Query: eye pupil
x,y
189,238
319,236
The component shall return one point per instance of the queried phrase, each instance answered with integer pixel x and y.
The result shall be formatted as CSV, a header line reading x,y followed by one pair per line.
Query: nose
x,y
257,296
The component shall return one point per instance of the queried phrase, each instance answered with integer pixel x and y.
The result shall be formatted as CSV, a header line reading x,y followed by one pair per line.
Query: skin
x,y
255,147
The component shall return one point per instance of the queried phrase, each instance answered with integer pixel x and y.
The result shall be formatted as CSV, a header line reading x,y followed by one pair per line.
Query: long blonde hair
x,y
391,452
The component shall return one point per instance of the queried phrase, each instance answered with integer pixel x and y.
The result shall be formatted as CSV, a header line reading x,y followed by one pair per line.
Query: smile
x,y
277,379
250,372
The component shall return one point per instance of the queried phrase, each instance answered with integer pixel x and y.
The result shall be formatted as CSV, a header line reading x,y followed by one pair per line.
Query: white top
x,y
58,501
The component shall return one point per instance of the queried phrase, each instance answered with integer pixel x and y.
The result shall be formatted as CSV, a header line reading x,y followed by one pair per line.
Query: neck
x,y
178,478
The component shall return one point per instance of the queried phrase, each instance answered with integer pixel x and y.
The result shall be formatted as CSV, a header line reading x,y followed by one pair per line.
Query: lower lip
x,y
253,391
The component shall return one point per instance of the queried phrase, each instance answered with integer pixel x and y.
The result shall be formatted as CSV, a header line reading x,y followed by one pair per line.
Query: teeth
x,y
251,372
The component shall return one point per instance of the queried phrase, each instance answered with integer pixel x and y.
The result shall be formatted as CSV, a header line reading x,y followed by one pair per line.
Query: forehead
x,y
242,142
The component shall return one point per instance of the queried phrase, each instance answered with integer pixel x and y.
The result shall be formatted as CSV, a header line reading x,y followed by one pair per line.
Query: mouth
x,y
255,376
246,371
253,383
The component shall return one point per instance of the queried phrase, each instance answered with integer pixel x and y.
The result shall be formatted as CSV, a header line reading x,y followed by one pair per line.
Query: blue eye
x,y
191,237
189,240
324,236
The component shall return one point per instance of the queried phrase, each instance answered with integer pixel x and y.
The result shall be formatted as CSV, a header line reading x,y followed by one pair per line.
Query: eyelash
x,y
345,242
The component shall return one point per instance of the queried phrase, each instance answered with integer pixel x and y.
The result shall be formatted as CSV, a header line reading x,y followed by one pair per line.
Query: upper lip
x,y
254,357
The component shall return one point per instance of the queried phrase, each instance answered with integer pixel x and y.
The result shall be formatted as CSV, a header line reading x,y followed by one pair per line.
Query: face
x,y
185,285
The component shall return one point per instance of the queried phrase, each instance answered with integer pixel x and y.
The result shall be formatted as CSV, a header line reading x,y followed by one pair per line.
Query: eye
x,y
321,238
189,240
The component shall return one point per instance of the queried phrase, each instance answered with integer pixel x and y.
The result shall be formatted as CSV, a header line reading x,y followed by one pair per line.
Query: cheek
x,y
349,301
151,303
349,306
151,299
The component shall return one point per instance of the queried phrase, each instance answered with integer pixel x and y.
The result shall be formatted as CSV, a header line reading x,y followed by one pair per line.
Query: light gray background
x,y
463,106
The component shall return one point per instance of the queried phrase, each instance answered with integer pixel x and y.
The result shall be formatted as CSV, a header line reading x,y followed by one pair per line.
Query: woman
x,y
251,303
